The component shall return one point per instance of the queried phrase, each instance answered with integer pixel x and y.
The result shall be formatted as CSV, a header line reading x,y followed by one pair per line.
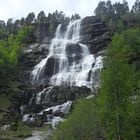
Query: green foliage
x,y
135,118
116,109
4,101
22,131
9,49
131,38
83,124
2,33
118,86
117,16
8,55
23,34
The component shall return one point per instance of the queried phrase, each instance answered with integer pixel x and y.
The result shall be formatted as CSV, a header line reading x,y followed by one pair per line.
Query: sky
x,y
17,9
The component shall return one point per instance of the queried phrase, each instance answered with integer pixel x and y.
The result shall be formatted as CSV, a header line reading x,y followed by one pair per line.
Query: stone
x,y
95,34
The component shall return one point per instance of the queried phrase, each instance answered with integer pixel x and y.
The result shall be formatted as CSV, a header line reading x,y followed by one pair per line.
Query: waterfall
x,y
69,62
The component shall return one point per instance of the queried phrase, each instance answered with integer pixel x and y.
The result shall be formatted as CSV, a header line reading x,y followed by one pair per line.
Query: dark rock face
x,y
94,34
52,66
60,95
51,97
31,57
73,49
73,52
42,33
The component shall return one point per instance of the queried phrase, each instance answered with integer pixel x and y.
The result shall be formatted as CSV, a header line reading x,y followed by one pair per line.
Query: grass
x,y
19,131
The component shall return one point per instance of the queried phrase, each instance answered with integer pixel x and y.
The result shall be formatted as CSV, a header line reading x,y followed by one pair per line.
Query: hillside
x,y
77,78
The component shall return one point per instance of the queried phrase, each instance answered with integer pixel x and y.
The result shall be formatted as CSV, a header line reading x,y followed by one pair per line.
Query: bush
x,y
83,124
10,48
16,131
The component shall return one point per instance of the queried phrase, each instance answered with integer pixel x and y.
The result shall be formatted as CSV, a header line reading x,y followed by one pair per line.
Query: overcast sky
x,y
20,8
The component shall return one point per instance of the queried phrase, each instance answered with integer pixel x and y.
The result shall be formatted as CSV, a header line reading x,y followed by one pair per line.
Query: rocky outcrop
x,y
50,68
95,34
73,52
59,95
42,32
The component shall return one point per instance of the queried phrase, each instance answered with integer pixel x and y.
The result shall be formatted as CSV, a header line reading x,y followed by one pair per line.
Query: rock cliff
x,y
37,96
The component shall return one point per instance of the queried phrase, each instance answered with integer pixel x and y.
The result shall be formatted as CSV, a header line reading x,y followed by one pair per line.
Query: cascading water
x,y
71,62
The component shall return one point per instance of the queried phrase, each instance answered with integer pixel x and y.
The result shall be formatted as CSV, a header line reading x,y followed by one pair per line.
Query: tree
x,y
135,118
22,21
23,34
125,5
75,17
116,90
83,124
2,23
30,18
61,16
101,9
109,7
136,6
121,8
2,29
16,26
41,18
10,48
10,26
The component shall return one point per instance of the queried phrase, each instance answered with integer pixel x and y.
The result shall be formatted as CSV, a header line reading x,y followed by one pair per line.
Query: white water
x,y
46,91
64,108
74,72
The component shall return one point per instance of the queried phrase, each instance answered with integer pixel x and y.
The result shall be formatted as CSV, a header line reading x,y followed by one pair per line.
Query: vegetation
x,y
83,124
13,34
114,113
118,85
10,48
22,131
14,37
118,16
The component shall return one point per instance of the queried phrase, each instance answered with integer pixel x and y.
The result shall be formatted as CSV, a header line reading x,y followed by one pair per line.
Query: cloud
x,y
21,8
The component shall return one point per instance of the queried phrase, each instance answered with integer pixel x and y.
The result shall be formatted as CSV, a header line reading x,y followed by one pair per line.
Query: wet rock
x,y
52,66
61,94
95,34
